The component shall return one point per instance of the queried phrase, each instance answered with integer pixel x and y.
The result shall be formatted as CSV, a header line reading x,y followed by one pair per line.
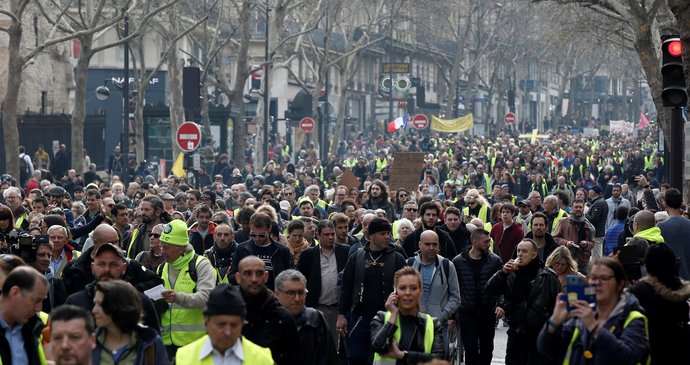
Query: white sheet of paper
x,y
155,292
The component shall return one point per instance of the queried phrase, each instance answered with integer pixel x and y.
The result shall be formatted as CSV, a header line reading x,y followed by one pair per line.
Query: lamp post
x,y
102,93
267,93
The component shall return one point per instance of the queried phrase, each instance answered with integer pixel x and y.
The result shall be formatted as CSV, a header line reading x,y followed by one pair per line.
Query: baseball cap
x,y
108,247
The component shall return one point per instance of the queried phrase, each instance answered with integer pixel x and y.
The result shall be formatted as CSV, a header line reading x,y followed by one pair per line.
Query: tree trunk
x,y
14,82
175,94
79,113
239,131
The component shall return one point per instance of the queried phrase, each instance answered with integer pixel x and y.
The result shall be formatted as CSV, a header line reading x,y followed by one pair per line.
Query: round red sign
x,y
188,136
509,118
307,124
420,121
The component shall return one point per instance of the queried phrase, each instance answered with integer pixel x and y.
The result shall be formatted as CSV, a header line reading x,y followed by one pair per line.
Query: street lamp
x,y
102,93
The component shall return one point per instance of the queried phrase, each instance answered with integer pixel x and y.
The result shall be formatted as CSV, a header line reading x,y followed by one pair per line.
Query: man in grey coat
x,y
441,295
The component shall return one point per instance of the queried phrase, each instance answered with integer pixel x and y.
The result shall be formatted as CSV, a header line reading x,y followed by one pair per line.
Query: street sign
x,y
188,136
509,118
307,124
420,121
395,68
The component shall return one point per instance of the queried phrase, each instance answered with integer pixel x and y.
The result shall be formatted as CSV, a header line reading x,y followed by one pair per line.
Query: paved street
x,y
500,346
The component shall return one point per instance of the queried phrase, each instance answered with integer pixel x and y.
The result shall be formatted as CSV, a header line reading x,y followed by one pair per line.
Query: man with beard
x,y
224,247
478,312
201,233
545,242
268,324
429,212
367,282
378,199
526,304
152,214
577,234
615,201
109,263
72,335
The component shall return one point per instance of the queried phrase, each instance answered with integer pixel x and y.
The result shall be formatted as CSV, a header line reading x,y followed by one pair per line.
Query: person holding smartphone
x,y
402,334
613,333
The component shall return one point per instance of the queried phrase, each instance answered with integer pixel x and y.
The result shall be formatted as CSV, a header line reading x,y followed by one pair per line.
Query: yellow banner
x,y
452,125
178,167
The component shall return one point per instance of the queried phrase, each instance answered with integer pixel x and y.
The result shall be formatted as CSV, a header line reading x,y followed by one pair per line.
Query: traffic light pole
x,y
676,163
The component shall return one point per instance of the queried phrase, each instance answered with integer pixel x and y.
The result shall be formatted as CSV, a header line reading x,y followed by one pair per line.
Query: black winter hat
x,y
226,300
379,225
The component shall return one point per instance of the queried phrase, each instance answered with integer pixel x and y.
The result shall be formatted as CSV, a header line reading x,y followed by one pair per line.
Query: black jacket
x,y
597,214
461,238
381,203
84,299
549,247
316,344
382,333
269,324
281,260
31,330
77,274
667,311
472,277
446,245
310,266
529,296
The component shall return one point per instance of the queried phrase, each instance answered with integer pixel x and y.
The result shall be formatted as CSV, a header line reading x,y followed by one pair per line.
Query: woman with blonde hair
x,y
563,264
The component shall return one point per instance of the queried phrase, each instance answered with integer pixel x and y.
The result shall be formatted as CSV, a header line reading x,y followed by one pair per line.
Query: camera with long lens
x,y
25,245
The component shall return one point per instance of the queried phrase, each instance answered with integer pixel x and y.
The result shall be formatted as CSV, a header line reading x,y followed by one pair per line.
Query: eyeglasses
x,y
602,278
411,209
255,235
219,222
154,235
288,194
402,194
293,293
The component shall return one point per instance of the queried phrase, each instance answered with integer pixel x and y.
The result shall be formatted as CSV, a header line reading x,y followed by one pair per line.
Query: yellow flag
x,y
452,125
178,166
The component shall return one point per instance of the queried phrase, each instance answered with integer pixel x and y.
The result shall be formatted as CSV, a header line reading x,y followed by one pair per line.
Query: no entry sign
x,y
509,118
188,136
420,121
307,124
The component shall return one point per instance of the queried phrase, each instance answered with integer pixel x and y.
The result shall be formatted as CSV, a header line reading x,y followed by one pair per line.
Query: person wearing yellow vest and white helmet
x,y
186,290
402,334
224,317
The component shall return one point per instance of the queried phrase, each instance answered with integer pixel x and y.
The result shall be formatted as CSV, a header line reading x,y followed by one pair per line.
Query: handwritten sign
x,y
406,170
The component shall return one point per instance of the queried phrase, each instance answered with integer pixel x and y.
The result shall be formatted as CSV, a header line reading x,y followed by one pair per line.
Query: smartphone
x,y
577,288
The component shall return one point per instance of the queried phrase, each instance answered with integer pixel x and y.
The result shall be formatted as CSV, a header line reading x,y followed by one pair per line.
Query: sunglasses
x,y
411,209
219,222
155,235
255,235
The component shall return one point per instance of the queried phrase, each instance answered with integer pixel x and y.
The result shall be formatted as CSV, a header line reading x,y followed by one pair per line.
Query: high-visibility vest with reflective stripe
x,y
181,326
380,165
483,213
649,161
631,317
131,254
20,220
253,354
428,338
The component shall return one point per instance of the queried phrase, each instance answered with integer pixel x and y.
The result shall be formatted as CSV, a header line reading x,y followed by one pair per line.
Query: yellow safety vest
x,y
649,161
181,326
380,165
428,338
631,317
561,214
20,220
253,354
131,254
483,213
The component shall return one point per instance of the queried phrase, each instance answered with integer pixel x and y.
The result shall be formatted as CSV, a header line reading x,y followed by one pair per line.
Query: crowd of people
x,y
576,243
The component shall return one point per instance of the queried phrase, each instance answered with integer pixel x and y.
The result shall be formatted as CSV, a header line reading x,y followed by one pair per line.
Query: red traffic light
x,y
675,48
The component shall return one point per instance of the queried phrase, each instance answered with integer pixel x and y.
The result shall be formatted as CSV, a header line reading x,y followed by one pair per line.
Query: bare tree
x,y
19,55
89,21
